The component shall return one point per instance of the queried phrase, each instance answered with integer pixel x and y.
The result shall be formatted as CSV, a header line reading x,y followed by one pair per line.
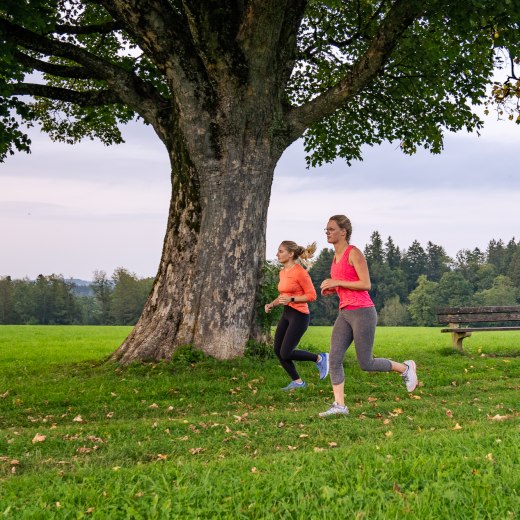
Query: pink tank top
x,y
348,298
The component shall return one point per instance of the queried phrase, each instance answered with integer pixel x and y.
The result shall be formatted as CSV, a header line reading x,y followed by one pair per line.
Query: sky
x,y
71,210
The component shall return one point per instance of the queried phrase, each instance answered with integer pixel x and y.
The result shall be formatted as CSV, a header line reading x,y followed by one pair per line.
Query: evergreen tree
x,y
468,264
495,254
392,254
437,262
374,251
513,271
414,264
510,252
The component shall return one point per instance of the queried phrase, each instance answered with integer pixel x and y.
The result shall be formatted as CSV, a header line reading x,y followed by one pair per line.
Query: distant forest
x,y
407,286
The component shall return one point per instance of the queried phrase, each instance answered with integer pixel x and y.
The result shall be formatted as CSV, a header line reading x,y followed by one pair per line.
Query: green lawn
x,y
80,438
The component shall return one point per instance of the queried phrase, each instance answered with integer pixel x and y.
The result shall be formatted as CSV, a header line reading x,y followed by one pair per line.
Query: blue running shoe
x,y
293,385
323,365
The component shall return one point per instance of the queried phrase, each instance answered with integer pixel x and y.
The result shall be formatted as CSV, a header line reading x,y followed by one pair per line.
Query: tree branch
x,y
401,15
62,71
159,29
131,90
84,99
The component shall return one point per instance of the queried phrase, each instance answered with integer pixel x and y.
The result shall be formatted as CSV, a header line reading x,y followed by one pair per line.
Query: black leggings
x,y
290,329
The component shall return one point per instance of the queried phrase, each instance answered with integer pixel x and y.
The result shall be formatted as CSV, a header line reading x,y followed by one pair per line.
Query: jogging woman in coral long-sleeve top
x,y
296,289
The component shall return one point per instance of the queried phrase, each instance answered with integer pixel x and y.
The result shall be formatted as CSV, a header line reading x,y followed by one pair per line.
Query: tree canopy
x,y
88,65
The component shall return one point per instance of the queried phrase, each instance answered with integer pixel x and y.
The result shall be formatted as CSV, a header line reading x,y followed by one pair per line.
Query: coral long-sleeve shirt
x,y
297,282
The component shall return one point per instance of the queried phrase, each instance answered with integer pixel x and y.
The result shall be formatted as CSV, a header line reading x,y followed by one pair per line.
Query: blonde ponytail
x,y
302,255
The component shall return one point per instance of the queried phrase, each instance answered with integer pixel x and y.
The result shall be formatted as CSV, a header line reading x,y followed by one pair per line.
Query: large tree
x,y
227,86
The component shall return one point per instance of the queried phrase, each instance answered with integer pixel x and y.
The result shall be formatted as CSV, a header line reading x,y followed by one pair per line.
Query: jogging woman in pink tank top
x,y
357,317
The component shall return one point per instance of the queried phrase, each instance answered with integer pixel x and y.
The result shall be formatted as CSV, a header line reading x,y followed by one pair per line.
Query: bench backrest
x,y
478,314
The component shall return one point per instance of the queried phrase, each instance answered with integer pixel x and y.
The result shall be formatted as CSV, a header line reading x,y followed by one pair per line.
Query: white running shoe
x,y
410,376
335,409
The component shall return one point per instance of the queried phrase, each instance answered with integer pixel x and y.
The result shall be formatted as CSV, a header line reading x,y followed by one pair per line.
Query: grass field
x,y
81,438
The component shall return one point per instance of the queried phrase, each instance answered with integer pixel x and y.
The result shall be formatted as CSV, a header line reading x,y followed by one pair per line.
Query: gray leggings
x,y
358,325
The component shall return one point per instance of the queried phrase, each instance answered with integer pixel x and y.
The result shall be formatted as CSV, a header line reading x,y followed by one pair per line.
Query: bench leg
x,y
457,338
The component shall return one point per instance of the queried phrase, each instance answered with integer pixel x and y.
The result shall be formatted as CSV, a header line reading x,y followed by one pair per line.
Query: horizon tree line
x,y
407,286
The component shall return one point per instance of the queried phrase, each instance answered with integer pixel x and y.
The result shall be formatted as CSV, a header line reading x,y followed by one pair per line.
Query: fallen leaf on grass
x,y
388,434
196,451
154,405
93,438
292,448
397,489
4,395
449,413
317,450
457,427
78,418
333,444
414,396
303,436
371,399
160,456
500,417
39,438
110,415
254,470
489,456
69,437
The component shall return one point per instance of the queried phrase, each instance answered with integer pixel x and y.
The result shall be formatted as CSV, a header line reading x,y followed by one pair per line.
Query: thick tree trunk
x,y
204,292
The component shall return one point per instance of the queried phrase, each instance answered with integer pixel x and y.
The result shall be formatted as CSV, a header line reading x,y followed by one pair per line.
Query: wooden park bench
x,y
459,319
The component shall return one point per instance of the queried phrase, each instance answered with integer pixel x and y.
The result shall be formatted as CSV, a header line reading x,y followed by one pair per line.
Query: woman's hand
x,y
328,287
284,300
268,307
329,283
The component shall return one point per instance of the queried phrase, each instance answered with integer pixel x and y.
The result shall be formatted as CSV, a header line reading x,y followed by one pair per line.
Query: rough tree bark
x,y
223,161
